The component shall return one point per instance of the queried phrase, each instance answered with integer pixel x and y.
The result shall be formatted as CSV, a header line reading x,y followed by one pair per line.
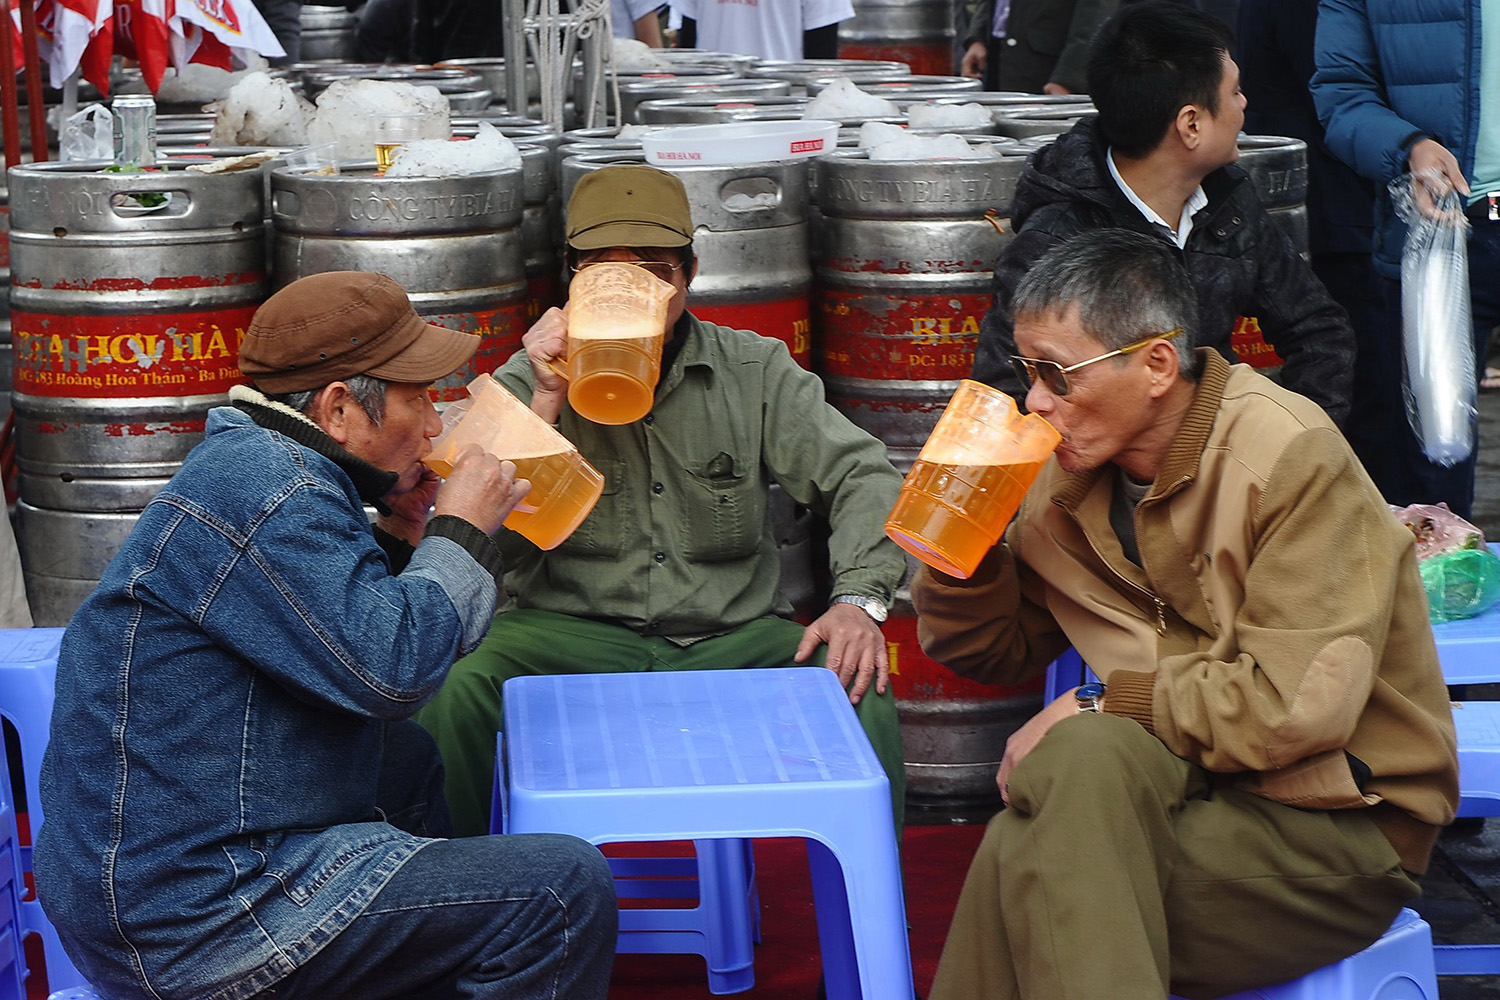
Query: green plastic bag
x,y
1460,584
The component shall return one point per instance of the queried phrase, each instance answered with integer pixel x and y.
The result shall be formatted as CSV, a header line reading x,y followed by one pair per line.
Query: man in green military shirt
x,y
676,568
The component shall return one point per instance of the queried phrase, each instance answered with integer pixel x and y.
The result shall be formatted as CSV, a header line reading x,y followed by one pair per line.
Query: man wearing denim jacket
x,y
676,567
237,803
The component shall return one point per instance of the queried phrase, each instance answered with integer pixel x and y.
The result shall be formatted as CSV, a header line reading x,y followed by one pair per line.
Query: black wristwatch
x,y
1090,698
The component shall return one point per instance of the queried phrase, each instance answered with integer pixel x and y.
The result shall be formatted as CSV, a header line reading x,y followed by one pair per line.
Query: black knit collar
x,y
370,482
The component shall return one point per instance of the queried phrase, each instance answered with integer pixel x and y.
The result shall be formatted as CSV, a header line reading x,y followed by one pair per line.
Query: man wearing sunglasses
x,y
1255,787
676,567
1159,159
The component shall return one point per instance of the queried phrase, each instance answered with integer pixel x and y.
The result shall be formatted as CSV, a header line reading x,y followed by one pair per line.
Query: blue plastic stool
x,y
723,755
725,925
1065,673
12,889
723,928
28,669
1397,967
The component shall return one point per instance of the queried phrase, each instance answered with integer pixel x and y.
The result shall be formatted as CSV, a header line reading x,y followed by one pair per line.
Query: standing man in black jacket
x,y
1032,46
1159,159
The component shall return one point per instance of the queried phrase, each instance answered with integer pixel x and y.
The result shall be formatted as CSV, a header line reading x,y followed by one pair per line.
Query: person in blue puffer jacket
x,y
1408,86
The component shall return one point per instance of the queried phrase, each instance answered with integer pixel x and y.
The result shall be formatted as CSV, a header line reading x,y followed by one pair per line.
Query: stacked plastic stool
x,y
28,670
718,757
1397,967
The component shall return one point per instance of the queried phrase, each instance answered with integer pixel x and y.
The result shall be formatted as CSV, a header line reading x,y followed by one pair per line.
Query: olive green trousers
x,y
1119,870
467,712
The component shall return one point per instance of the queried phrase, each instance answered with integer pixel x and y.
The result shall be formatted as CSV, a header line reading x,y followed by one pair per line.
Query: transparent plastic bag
x,y
1439,381
1437,529
88,135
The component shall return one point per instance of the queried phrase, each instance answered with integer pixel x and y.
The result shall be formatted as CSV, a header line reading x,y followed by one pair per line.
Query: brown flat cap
x,y
329,326
629,206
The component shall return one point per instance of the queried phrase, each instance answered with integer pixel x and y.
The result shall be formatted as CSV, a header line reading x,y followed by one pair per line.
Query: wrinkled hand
x,y
545,342
1025,739
410,509
972,65
1055,88
481,489
1434,173
856,649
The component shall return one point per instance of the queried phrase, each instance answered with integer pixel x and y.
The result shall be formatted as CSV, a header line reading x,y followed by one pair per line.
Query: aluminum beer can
x,y
135,130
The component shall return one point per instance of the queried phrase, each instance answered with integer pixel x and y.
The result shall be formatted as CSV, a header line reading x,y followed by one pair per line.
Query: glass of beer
x,y
564,487
617,320
392,131
968,480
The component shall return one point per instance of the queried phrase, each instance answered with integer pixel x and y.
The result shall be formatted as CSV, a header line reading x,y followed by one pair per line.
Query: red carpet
x,y
786,962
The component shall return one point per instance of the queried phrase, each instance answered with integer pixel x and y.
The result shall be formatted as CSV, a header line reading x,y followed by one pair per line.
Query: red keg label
x,y
788,320
499,332
917,677
1250,344
160,354
899,339
931,59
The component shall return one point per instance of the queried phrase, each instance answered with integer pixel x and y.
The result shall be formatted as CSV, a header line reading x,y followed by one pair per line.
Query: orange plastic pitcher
x,y
968,480
564,487
617,317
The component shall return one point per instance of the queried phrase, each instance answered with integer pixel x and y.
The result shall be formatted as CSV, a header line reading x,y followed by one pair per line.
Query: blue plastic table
x,y
690,755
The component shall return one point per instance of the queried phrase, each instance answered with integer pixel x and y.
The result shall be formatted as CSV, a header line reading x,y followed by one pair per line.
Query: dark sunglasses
x,y
1055,377
663,269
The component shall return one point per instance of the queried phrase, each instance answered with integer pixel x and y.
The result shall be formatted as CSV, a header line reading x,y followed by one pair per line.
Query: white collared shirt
x,y
1184,227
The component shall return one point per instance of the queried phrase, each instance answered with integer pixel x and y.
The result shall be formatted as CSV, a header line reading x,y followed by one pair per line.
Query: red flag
x,y
141,33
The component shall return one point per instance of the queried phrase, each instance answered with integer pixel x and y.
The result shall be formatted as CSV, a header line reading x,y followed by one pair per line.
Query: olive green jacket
x,y
1276,622
680,544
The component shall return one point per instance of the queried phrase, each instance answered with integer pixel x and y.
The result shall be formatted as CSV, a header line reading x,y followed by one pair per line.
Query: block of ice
x,y
889,142
631,56
487,151
842,99
872,134
947,115
344,110
261,111
198,84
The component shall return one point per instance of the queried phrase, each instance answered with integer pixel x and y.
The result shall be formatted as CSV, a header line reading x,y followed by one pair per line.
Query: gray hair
x,y
1127,286
367,390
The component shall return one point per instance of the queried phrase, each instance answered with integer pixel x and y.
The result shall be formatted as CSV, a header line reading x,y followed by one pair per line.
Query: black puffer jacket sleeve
x,y
997,338
1302,322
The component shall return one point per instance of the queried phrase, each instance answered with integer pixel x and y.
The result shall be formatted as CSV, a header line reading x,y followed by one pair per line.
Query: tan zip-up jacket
x,y
1277,622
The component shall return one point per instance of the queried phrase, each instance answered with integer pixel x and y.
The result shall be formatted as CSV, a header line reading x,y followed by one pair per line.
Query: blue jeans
x,y
1377,428
521,917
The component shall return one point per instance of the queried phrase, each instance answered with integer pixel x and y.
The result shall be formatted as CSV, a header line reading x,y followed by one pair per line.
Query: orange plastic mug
x,y
564,487
617,317
968,480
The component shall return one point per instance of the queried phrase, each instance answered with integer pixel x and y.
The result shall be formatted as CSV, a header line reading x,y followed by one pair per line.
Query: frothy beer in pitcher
x,y
616,327
564,487
969,480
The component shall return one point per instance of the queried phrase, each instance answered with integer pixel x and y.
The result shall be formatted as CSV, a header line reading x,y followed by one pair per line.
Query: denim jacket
x,y
222,705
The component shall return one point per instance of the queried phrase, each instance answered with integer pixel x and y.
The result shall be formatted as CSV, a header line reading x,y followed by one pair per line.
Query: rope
x,y
553,37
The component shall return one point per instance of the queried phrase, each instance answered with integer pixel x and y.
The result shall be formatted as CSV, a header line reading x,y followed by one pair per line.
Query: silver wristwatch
x,y
1090,698
868,605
